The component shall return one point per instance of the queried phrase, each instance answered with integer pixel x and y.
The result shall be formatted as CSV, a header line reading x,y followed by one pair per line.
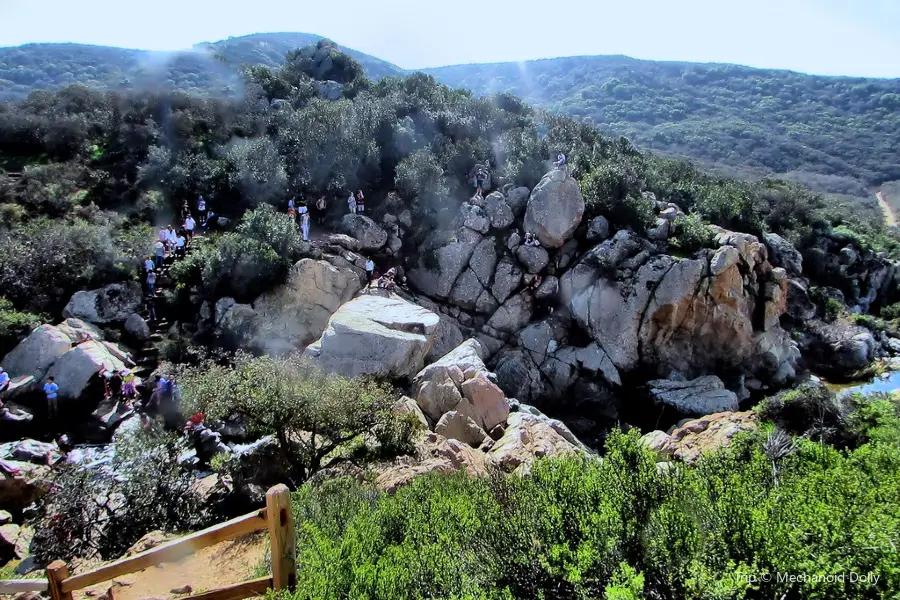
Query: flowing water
x,y
889,382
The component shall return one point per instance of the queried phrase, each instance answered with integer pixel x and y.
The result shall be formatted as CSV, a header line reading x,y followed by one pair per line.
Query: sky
x,y
827,37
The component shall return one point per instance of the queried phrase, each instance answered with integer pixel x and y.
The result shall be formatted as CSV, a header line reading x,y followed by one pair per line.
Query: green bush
x,y
730,205
691,234
15,325
313,415
614,191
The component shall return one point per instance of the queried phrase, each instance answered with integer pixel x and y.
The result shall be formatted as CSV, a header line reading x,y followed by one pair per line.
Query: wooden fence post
x,y
282,540
57,571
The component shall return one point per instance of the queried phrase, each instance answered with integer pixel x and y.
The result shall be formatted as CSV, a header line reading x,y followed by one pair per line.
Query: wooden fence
x,y
276,517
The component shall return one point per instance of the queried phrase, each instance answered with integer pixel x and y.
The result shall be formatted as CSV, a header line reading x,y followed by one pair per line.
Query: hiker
x,y
51,391
164,235
115,384
480,180
201,211
150,302
180,243
149,265
171,238
185,209
160,256
360,202
129,386
387,280
370,269
151,283
158,394
4,379
304,223
189,225
292,209
561,160
320,206
531,240
351,203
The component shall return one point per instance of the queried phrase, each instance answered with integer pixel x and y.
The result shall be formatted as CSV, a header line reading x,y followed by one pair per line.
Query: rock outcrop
x,y
111,304
692,439
363,229
531,435
377,336
838,349
701,396
75,369
554,209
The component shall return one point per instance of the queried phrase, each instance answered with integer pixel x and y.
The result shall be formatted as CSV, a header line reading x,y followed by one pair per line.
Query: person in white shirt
x,y
179,246
171,238
304,223
189,225
201,210
160,253
351,203
370,269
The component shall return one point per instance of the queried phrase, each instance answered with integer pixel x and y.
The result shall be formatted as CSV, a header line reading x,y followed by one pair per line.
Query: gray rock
x,y
498,211
365,230
549,288
598,229
513,241
533,258
838,348
405,218
76,368
36,354
330,90
137,326
507,279
486,304
343,241
437,269
467,290
484,260
447,337
514,314
376,336
554,209
29,451
517,199
475,218
660,231
799,306
110,304
702,396
783,254
457,426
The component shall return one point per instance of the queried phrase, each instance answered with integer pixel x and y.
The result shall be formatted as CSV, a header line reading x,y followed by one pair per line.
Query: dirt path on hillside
x,y
890,218
233,561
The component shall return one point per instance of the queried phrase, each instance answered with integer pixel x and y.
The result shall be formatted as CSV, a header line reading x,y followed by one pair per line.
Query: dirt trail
x,y
233,561
890,218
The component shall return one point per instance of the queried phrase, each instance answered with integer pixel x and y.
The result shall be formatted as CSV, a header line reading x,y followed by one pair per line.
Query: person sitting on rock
x,y
531,240
360,202
561,160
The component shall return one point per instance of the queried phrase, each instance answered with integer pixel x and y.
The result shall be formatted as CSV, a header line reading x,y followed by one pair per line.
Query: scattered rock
x,y
693,438
185,589
148,542
598,229
365,230
702,396
137,326
533,258
457,426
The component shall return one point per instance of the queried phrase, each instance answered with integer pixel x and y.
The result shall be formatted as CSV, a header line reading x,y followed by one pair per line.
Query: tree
x,y
311,414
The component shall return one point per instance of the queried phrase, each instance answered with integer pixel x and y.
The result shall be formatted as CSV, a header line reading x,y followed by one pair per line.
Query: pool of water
x,y
889,382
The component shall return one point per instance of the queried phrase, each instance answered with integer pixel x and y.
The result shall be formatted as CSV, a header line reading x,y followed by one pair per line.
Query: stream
x,y
889,382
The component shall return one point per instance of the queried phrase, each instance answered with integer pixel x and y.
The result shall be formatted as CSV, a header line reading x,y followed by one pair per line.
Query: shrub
x,y
691,234
15,325
240,266
812,411
730,205
101,512
313,415
613,190
276,229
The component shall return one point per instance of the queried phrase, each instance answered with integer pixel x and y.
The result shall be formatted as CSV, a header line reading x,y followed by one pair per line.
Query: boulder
x,y
598,229
701,396
79,331
237,324
660,230
531,435
294,314
517,200
408,406
696,437
484,260
33,451
507,279
137,327
518,375
554,209
447,337
475,218
838,349
457,426
514,314
36,354
498,211
486,404
365,230
76,368
438,267
799,306
467,290
436,454
783,254
533,258
22,484
343,241
330,90
110,304
377,336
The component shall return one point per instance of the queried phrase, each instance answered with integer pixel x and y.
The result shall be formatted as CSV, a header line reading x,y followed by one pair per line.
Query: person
x,y
560,160
360,202
292,209
304,223
129,385
164,235
320,206
51,390
189,225
531,240
151,283
185,209
387,280
171,238
149,265
480,179
180,243
201,211
115,384
4,379
158,394
151,307
370,269
351,203
160,256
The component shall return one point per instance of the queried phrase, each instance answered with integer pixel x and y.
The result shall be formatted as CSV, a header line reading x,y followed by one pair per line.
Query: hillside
x,y
777,121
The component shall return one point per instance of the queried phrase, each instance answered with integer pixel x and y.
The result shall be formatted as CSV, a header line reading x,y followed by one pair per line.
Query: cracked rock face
x,y
693,316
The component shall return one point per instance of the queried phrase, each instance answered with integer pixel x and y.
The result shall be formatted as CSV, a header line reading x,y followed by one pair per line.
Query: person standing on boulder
x,y
351,203
561,161
480,180
304,223
51,390
201,211
360,202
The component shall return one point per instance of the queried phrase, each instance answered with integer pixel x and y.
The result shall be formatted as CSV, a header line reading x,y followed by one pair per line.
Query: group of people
x,y
303,211
531,240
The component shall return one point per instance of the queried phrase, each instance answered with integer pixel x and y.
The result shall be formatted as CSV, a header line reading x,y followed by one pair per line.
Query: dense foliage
x,y
624,528
315,417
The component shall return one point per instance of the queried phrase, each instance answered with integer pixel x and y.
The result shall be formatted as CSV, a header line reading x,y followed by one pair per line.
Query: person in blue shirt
x,y
4,379
51,389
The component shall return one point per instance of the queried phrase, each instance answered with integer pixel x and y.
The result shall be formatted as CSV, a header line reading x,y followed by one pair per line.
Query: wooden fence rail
x,y
276,518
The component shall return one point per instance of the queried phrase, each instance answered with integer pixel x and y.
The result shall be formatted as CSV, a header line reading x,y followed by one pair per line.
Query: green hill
x,y
773,121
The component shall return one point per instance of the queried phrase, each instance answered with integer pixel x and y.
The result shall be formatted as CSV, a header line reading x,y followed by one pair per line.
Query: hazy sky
x,y
833,37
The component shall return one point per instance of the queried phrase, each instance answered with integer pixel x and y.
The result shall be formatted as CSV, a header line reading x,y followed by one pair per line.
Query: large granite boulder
x,y
701,396
110,304
554,209
838,349
533,258
531,435
22,484
36,354
137,327
365,230
696,315
499,212
692,439
783,254
461,382
442,261
435,454
294,314
457,426
74,370
377,336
